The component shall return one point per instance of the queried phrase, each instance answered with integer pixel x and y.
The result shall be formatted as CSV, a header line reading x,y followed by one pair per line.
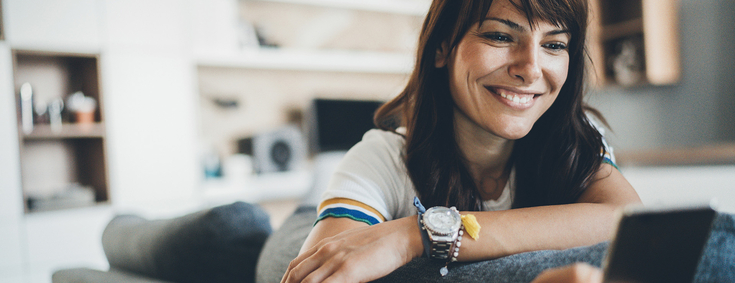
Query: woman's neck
x,y
485,154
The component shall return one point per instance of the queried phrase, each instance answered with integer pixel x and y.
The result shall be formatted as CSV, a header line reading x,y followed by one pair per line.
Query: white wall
x,y
11,201
698,110
148,82
677,185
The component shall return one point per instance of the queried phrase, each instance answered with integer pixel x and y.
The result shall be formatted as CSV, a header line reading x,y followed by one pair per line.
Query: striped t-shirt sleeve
x,y
347,208
608,156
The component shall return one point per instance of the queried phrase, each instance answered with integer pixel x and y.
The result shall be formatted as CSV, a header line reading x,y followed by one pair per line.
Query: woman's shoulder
x,y
392,137
372,172
377,140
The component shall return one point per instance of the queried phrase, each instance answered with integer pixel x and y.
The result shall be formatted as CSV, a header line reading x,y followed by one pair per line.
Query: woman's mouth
x,y
514,99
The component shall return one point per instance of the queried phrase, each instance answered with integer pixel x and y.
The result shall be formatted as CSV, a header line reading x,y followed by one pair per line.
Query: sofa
x,y
234,243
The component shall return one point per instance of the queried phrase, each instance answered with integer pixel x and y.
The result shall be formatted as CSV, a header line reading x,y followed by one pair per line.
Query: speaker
x,y
280,150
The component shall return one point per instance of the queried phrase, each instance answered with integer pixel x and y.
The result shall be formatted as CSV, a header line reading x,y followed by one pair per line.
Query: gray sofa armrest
x,y
221,244
87,275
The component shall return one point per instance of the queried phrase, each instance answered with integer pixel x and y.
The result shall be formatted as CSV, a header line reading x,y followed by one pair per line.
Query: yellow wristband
x,y
470,224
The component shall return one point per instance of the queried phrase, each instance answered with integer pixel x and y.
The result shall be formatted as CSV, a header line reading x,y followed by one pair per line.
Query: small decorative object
x,y
470,224
54,113
627,64
247,36
82,107
26,107
41,108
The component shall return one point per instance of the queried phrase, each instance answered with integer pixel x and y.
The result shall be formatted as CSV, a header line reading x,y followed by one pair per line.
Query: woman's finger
x,y
320,258
327,270
576,273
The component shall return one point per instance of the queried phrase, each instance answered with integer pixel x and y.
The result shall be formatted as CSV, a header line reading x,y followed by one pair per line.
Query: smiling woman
x,y
492,122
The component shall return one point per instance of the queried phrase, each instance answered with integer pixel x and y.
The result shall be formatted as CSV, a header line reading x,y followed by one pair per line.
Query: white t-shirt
x,y
371,183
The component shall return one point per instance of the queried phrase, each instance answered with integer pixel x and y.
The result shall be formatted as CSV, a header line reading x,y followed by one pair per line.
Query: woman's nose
x,y
525,66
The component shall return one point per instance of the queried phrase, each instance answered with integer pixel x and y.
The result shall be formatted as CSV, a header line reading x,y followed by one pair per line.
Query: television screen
x,y
337,125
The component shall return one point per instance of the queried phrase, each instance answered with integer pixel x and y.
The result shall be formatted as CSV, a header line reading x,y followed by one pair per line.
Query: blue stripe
x,y
609,161
350,213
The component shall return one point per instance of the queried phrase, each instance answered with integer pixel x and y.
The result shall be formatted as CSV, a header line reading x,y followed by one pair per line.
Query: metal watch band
x,y
441,250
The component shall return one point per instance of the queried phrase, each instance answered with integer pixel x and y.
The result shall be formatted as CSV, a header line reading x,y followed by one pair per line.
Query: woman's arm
x,y
575,273
329,227
589,221
343,250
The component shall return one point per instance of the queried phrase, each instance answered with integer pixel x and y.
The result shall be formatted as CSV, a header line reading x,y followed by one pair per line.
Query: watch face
x,y
442,220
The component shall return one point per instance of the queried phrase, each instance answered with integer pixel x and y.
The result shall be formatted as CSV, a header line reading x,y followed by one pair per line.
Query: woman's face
x,y
504,74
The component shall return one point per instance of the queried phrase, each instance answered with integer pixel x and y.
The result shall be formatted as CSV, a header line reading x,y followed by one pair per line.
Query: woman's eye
x,y
497,37
556,46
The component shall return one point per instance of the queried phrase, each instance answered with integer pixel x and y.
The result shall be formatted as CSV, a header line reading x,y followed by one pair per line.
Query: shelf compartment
x,y
50,166
654,22
61,167
58,74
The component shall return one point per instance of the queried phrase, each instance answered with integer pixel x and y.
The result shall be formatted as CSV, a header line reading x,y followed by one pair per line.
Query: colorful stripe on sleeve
x,y
609,161
347,208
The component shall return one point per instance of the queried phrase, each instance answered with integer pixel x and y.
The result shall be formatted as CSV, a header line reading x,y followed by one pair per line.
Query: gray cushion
x,y
221,244
284,245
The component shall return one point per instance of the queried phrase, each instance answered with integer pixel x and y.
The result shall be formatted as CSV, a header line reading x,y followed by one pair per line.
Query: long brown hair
x,y
554,163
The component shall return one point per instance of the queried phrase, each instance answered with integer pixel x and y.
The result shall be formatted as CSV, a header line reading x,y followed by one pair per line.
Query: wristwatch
x,y
442,227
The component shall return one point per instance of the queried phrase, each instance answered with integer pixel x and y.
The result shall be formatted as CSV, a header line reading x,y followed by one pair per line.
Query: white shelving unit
x,y
311,60
291,59
258,188
408,7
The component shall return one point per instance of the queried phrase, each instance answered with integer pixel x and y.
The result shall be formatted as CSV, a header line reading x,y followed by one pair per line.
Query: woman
x,y
492,122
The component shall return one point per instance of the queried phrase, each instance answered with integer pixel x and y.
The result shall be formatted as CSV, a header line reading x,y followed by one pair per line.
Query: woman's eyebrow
x,y
509,23
559,31
515,26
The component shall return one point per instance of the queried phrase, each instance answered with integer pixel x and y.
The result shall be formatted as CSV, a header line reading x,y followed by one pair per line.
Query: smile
x,y
514,98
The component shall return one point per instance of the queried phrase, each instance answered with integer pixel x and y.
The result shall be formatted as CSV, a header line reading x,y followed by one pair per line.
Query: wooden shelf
x,y
53,160
622,29
67,131
312,60
407,7
640,34
718,154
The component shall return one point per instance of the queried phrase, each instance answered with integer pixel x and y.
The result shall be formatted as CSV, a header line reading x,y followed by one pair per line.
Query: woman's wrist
x,y
415,242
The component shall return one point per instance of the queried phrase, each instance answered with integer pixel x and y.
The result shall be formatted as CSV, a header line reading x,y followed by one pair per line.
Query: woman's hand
x,y
576,273
358,255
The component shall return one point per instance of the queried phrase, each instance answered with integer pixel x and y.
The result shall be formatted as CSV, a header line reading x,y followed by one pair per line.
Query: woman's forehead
x,y
515,10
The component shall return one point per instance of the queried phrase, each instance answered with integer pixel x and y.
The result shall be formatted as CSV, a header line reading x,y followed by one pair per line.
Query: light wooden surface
x,y
279,210
716,154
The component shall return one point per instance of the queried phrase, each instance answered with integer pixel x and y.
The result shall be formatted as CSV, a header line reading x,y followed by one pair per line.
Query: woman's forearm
x,y
538,228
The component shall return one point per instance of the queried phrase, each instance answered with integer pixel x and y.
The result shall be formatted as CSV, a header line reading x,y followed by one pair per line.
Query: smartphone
x,y
658,244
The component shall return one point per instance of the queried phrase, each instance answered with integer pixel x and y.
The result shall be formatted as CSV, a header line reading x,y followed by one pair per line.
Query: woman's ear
x,y
442,55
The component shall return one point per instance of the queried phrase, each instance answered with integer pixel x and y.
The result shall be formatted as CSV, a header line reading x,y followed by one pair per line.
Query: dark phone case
x,y
659,245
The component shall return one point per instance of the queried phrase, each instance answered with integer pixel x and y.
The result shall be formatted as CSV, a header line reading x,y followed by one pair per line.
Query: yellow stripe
x,y
350,202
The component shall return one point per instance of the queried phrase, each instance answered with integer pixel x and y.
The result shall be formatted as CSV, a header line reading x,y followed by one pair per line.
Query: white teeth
x,y
514,98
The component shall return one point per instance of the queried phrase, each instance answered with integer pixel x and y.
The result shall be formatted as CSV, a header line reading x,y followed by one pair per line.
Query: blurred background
x,y
165,107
